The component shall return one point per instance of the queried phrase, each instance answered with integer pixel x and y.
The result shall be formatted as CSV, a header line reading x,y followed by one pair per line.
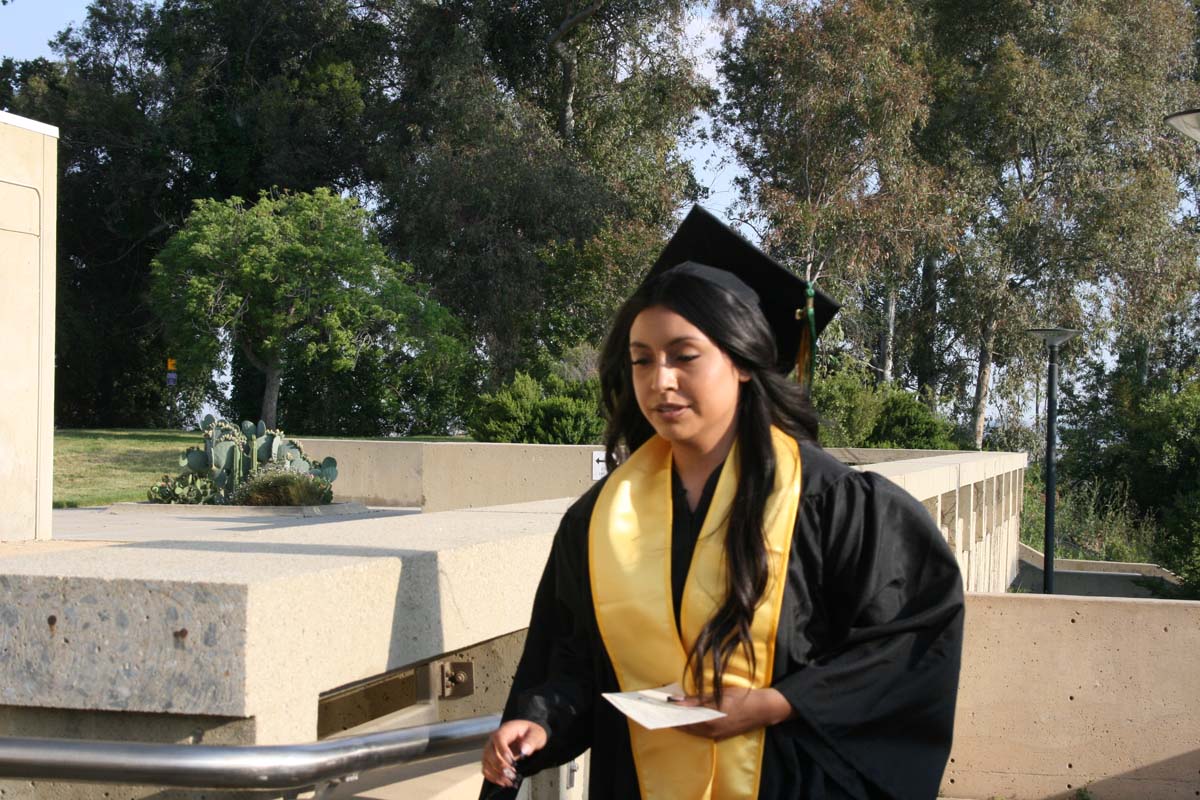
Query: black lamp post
x,y
1053,337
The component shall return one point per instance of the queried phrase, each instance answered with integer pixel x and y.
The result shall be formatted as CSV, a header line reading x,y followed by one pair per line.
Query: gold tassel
x,y
806,354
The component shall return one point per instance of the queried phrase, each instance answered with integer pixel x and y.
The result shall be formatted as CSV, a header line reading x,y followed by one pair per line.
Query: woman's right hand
x,y
514,739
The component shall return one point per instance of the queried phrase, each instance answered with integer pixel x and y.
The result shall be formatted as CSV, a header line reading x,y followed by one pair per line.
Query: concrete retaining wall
x,y
441,476
1063,693
28,196
1094,578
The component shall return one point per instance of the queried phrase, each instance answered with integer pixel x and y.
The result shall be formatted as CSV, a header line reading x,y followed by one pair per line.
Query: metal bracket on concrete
x,y
458,678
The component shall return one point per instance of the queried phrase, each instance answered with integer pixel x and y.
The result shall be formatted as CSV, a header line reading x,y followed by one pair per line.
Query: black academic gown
x,y
868,647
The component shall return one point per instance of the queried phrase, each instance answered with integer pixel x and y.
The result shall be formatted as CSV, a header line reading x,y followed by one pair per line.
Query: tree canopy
x,y
295,281
991,166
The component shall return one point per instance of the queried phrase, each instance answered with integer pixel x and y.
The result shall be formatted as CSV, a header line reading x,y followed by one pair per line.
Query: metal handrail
x,y
262,767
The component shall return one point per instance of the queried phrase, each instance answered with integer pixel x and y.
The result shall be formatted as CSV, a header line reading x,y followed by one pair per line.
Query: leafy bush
x,y
556,411
849,404
855,412
566,420
282,487
506,415
905,422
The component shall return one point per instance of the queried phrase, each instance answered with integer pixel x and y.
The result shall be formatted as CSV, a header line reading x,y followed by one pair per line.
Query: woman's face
x,y
686,386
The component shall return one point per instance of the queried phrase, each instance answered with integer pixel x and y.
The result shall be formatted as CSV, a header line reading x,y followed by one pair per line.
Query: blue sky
x,y
26,26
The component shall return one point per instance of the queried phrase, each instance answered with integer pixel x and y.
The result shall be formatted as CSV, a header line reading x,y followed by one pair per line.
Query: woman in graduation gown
x,y
818,607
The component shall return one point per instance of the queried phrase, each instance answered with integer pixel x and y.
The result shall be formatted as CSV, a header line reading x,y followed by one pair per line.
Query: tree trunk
x,y
270,403
889,336
556,41
983,378
1141,360
924,358
566,113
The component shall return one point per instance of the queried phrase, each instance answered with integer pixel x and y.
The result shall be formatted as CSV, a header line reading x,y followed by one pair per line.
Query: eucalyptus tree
x,y
1051,114
820,103
1000,164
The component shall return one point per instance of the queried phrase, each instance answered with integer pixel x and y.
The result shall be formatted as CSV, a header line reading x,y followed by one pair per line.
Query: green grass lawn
x,y
99,467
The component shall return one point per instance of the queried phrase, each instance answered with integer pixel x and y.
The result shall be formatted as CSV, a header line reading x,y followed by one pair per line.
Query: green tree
x,y
493,169
161,104
1133,433
821,103
419,376
916,157
295,279
1068,213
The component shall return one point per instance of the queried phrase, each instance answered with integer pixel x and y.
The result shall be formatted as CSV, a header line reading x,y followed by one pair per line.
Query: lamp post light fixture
x,y
1053,337
1186,122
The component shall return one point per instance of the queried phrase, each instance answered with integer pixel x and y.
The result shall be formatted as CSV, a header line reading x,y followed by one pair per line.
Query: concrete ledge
x,y
186,510
1037,559
258,623
975,497
440,476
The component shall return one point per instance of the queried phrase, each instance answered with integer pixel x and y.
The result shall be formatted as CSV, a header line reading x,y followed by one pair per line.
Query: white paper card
x,y
650,708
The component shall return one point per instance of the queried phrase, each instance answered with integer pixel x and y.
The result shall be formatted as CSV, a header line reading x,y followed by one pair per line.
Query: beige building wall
x,y
28,194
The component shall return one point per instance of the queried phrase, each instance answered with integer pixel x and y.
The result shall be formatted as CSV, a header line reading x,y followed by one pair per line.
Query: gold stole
x,y
629,545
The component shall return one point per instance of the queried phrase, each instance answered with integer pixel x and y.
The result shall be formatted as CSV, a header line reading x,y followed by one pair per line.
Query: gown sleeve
x,y
554,682
875,698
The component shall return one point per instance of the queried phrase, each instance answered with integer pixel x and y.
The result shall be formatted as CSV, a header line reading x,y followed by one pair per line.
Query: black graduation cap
x,y
795,310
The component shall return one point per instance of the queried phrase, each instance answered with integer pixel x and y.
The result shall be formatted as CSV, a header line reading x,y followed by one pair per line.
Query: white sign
x,y
599,468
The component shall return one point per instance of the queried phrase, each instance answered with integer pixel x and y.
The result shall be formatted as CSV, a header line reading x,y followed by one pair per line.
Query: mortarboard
x,y
797,313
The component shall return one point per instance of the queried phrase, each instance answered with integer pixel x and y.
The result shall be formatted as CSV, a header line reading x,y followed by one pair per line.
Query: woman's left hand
x,y
744,709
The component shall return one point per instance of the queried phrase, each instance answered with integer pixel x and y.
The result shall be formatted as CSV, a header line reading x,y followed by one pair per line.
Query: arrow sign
x,y
599,468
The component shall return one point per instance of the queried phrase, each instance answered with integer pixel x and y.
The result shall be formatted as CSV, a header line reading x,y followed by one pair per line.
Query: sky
x,y
27,26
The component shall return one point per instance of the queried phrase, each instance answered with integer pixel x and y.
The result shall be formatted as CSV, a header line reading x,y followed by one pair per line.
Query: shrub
x,y
281,487
855,412
906,422
505,416
848,404
556,411
566,420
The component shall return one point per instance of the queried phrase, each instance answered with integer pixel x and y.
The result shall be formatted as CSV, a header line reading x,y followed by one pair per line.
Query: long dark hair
x,y
768,398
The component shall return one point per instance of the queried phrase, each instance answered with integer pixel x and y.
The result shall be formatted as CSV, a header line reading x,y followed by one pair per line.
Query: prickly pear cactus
x,y
232,454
